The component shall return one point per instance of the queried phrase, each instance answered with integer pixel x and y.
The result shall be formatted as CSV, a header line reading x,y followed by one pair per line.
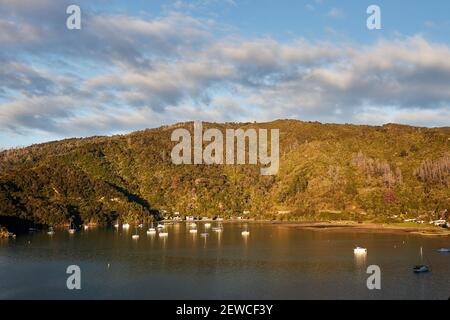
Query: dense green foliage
x,y
326,171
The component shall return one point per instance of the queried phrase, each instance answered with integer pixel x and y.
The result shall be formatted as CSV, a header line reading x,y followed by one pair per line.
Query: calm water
x,y
274,262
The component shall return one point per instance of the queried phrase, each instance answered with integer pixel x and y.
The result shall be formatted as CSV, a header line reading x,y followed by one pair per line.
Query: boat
x,y
359,250
207,225
193,231
163,234
117,225
245,233
160,226
135,236
72,230
444,250
193,225
86,227
151,230
421,268
217,229
51,231
126,226
204,234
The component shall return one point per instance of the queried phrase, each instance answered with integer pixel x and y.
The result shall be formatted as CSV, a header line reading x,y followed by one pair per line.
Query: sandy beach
x,y
366,227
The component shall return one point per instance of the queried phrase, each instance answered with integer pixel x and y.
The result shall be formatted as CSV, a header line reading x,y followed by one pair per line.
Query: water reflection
x,y
273,262
360,260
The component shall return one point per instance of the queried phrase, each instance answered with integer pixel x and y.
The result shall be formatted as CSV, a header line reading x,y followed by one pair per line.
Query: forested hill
x,y
326,171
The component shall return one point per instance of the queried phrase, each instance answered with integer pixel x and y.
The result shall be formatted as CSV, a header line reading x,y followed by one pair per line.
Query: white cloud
x,y
172,68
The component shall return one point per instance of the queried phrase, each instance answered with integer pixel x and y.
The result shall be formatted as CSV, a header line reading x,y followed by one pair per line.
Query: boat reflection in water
x,y
360,255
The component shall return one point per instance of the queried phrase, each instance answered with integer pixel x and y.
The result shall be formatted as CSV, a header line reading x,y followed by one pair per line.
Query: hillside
x,y
327,171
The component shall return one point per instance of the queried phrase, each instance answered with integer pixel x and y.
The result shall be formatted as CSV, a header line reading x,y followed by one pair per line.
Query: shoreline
x,y
366,227
351,226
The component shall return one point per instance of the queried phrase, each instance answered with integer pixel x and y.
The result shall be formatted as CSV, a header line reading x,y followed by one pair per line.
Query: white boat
x,y
359,250
163,234
193,225
444,250
72,230
151,231
126,226
245,233
86,227
207,225
193,231
135,236
51,231
116,225
204,234
217,229
160,226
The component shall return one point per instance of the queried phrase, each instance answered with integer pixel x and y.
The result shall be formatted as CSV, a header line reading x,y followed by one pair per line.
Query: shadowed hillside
x,y
327,171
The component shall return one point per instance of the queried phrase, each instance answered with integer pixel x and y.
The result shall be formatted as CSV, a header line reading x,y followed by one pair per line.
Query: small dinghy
x,y
204,235
245,233
51,231
444,250
135,236
163,234
126,226
151,231
193,231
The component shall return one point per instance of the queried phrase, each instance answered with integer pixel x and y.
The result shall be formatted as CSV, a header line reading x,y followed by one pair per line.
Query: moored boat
x,y
359,250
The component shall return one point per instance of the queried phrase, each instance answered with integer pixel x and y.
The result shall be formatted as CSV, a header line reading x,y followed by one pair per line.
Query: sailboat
x,y
72,230
218,228
151,230
135,236
421,268
245,232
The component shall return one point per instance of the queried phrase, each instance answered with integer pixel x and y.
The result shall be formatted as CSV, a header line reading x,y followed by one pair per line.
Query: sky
x,y
141,64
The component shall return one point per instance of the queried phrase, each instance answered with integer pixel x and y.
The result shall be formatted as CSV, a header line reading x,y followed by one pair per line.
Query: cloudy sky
x,y
139,64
